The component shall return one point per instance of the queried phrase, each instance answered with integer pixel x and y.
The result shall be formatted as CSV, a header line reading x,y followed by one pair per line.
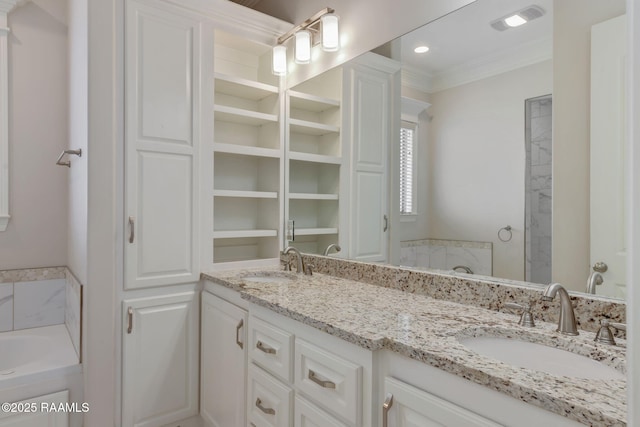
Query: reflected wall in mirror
x,y
502,146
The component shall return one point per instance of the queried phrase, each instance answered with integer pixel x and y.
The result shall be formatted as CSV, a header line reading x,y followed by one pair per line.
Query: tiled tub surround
x,y
446,254
427,330
491,293
38,297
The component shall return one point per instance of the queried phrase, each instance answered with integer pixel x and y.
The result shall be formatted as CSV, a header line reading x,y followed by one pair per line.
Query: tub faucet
x,y
332,246
299,262
595,279
567,320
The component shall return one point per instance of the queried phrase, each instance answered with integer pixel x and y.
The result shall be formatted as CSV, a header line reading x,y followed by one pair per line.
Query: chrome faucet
x,y
567,320
595,279
299,262
332,246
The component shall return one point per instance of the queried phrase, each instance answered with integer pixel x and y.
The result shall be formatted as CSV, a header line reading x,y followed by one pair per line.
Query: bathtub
x,y
39,362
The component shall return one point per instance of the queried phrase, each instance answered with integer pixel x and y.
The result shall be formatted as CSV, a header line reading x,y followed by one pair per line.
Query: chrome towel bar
x,y
59,162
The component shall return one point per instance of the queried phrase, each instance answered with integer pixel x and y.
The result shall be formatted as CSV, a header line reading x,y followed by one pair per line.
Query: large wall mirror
x,y
517,144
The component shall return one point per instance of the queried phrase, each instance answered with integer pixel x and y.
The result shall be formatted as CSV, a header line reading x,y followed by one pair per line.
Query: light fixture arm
x,y
305,25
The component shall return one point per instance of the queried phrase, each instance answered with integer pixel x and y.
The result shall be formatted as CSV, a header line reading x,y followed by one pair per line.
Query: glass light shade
x,y
330,34
279,60
303,47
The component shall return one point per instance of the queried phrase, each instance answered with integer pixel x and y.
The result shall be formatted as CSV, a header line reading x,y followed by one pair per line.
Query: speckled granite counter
x,y
427,330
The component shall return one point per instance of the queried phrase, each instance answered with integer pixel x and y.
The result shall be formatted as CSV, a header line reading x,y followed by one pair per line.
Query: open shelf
x,y
244,117
233,234
313,243
315,231
243,88
306,127
312,196
245,150
314,178
246,173
314,158
246,194
242,249
309,102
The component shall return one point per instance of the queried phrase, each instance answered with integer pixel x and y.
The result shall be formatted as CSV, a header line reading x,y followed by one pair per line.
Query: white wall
x,y
37,232
78,134
476,162
572,62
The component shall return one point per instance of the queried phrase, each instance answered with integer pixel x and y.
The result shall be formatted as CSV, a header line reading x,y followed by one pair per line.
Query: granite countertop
x,y
427,330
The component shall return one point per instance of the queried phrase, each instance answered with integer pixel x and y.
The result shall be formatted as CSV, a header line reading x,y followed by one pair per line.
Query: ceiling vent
x,y
527,14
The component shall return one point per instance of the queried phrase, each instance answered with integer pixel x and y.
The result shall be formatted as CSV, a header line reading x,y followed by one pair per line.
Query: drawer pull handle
x,y
265,348
388,402
268,411
240,325
129,320
322,383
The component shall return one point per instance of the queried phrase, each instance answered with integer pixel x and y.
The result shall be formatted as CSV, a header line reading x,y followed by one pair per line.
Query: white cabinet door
x,y
160,359
369,100
408,406
608,157
162,133
33,413
223,362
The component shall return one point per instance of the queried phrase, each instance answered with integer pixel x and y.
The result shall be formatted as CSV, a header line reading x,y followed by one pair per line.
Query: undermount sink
x,y
539,357
269,277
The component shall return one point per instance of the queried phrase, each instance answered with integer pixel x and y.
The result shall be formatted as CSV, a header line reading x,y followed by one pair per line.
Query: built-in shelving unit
x,y
314,161
247,154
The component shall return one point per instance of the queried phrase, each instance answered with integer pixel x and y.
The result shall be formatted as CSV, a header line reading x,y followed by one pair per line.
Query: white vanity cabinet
x,y
160,359
408,406
223,362
418,394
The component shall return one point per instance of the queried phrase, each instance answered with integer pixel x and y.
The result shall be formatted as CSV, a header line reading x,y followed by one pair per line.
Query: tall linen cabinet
x,y
194,105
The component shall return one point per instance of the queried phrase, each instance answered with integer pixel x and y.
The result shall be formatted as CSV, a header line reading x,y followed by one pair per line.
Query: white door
x,y
162,69
608,97
407,406
223,363
160,360
370,153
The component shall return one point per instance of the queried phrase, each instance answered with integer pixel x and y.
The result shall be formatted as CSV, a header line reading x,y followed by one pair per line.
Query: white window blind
x,y
407,168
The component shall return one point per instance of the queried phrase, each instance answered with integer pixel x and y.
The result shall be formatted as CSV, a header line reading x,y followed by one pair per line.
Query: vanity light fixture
x,y
516,19
320,28
421,49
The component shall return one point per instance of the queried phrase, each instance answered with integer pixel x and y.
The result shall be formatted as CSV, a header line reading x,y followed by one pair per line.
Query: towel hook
x,y
506,230
59,162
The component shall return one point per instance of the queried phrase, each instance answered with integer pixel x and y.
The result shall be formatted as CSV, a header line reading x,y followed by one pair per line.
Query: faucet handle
x,y
526,318
604,334
309,269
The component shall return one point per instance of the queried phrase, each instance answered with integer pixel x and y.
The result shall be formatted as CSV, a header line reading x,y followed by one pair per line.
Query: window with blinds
x,y
407,168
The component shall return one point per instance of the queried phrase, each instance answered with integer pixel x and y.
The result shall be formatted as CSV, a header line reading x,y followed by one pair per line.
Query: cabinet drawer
x,y
309,415
329,380
271,347
269,401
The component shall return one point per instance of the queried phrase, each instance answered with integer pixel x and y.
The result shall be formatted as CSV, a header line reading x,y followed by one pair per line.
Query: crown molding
x,y
412,108
494,64
237,19
379,62
478,69
416,78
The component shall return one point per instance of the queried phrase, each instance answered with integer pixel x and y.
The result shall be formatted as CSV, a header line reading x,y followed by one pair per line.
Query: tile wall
x,y
447,254
33,298
538,190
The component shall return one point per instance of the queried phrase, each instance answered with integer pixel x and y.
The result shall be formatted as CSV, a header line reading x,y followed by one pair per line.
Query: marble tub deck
x,y
427,330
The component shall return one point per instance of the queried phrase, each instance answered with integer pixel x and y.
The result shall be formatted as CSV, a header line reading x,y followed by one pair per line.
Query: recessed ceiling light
x,y
515,21
421,49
